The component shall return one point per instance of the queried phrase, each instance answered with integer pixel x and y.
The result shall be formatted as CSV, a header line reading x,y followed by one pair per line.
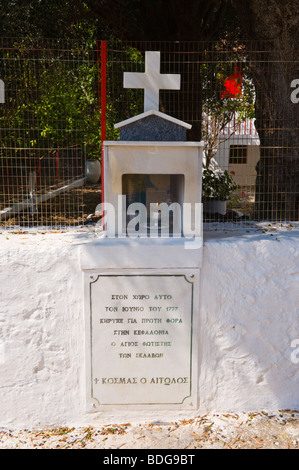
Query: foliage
x,y
225,107
158,20
217,185
56,105
53,102
122,103
32,19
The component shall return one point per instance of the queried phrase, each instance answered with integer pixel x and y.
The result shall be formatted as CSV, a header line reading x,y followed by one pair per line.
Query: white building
x,y
239,151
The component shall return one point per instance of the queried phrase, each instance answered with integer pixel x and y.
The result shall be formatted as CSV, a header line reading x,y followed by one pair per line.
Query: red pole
x,y
102,74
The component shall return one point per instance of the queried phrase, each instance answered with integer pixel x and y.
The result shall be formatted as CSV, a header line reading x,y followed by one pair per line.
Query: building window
x,y
238,154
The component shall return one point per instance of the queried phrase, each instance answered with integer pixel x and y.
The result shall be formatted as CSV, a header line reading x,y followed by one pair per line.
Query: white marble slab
x,y
130,253
156,158
141,338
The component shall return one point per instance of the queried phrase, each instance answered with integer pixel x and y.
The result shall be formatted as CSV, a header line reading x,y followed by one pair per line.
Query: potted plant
x,y
93,163
217,186
93,170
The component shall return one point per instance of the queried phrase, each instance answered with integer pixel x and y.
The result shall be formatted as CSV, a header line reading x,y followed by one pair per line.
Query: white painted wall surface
x,y
248,319
41,327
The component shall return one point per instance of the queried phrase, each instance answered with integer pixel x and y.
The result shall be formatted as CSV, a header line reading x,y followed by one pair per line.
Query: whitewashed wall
x,y
248,319
41,327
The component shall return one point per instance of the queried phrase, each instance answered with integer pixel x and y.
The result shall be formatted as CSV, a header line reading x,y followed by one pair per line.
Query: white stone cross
x,y
2,94
152,80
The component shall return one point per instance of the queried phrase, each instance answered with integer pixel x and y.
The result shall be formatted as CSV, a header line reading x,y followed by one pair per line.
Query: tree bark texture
x,y
274,63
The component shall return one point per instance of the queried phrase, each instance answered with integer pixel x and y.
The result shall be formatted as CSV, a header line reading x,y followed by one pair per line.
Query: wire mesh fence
x,y
236,97
41,190
49,125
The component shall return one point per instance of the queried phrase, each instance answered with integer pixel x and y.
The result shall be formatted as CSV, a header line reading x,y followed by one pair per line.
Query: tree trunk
x,y
277,183
274,63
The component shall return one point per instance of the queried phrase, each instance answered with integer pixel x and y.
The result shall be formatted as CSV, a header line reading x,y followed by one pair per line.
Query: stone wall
x,y
248,319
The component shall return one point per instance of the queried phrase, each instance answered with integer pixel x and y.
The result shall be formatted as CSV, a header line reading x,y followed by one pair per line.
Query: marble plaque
x,y
142,340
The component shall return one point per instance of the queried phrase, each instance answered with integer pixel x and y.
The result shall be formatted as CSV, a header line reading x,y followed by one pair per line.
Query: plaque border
x,y
93,278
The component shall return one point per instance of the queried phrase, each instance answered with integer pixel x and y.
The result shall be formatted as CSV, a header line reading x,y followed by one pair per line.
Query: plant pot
x,y
93,171
214,206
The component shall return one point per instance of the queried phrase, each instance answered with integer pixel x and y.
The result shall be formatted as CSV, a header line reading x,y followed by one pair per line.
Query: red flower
x,y
233,85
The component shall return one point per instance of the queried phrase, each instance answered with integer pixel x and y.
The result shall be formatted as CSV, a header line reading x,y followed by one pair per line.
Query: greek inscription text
x,y
151,320
111,320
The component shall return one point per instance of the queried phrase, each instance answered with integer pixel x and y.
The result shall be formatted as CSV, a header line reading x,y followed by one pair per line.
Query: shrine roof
x,y
151,113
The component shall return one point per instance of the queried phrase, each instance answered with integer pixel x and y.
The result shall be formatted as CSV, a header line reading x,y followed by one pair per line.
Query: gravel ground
x,y
277,430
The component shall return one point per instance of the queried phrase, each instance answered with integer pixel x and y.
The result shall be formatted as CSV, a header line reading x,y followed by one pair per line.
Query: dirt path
x,y
278,430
